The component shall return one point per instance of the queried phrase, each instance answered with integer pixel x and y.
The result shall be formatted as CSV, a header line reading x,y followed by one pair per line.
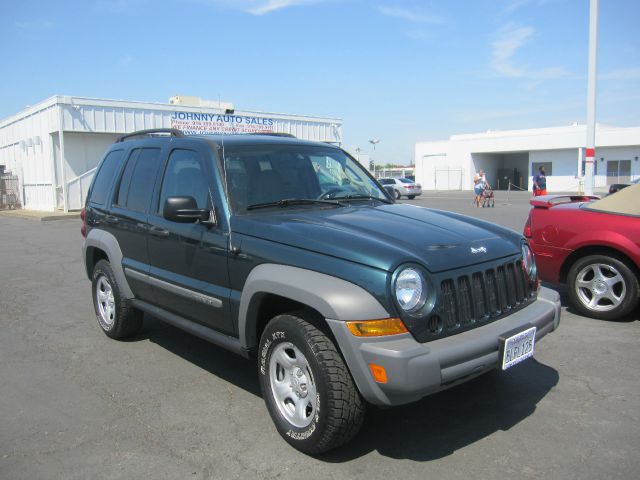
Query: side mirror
x,y
184,210
391,192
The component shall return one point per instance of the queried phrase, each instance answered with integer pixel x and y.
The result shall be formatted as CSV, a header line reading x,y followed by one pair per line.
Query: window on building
x,y
618,171
595,167
105,176
548,168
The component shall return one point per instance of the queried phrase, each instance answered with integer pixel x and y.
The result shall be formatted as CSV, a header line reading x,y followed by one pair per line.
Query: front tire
x,y
602,287
306,385
398,195
116,318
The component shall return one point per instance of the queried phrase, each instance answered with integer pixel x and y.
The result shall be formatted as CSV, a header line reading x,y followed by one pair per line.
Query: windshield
x,y
264,174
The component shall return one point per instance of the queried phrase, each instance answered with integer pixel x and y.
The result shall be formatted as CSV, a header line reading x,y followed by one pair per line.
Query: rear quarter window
x,y
105,176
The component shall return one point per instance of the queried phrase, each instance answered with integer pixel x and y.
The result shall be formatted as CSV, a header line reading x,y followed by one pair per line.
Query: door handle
x,y
159,232
111,219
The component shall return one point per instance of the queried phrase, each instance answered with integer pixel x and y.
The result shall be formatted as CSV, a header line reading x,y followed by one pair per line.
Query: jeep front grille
x,y
472,299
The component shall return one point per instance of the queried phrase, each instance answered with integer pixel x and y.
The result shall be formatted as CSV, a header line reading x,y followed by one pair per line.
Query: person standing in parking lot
x,y
540,183
479,184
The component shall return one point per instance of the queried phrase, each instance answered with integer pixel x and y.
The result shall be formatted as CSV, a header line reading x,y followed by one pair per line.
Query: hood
x,y
385,236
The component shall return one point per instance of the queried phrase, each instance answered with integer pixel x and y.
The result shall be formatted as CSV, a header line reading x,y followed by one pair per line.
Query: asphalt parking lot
x,y
75,404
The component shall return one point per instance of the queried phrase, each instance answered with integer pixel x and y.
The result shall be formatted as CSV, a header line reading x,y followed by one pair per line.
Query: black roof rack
x,y
171,131
274,134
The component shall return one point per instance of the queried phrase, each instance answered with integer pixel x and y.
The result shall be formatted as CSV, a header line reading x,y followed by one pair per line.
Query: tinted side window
x,y
138,178
185,176
105,176
125,180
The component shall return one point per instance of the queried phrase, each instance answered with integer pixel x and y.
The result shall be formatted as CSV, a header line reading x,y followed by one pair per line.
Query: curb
x,y
38,216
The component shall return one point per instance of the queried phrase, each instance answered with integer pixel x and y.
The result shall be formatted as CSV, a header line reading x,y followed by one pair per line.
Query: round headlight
x,y
410,289
529,261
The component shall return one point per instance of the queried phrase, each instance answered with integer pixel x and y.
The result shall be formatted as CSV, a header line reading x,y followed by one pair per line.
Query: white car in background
x,y
402,186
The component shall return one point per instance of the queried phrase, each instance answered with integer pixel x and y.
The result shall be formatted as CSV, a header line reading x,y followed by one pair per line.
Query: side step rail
x,y
206,333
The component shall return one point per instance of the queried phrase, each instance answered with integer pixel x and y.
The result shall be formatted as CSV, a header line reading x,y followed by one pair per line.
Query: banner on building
x,y
207,123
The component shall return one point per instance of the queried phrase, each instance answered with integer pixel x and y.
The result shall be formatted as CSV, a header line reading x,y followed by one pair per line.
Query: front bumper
x,y
415,370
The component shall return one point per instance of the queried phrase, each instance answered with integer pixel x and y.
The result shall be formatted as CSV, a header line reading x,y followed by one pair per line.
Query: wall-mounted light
x,y
636,159
29,142
37,140
602,159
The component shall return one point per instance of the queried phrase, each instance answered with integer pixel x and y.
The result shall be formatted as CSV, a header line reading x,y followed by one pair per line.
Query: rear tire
x,y
116,318
411,197
602,287
306,385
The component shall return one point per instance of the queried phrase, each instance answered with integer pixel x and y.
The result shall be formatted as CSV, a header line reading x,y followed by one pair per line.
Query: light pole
x,y
374,142
590,151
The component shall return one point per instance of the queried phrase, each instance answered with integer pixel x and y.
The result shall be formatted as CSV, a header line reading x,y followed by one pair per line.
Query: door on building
x,y
618,171
448,178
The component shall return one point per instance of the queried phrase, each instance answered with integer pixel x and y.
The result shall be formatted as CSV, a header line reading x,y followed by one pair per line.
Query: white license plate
x,y
518,347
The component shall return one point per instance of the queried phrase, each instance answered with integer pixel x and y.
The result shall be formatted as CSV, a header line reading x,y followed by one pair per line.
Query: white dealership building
x,y
513,156
54,146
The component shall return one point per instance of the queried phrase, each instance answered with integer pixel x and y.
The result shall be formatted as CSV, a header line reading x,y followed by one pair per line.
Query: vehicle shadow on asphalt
x,y
441,424
431,428
216,360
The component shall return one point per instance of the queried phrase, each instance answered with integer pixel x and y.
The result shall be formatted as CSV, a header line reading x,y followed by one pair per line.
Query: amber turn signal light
x,y
377,328
378,372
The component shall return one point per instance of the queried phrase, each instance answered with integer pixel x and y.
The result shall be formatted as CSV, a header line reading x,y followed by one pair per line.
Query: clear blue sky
x,y
400,71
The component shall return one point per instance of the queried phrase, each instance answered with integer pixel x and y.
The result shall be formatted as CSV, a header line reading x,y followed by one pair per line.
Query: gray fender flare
x,y
107,242
332,297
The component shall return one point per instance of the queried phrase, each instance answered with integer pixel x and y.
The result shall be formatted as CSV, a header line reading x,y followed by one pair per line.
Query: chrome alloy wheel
x,y
105,302
292,385
600,287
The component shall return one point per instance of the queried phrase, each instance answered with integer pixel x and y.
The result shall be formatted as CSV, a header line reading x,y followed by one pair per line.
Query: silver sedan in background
x,y
402,186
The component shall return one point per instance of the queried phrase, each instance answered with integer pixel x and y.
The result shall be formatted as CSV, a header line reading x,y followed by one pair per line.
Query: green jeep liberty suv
x,y
288,251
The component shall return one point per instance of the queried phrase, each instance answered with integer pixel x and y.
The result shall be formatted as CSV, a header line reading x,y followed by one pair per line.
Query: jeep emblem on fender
x,y
479,250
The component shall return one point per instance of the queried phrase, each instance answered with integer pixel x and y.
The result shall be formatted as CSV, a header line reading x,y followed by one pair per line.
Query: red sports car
x,y
593,246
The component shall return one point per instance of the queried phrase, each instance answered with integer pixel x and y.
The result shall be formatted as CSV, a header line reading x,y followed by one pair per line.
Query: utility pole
x,y
590,153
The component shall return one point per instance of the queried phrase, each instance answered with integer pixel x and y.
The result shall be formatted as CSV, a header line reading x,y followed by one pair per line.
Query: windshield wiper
x,y
287,202
362,197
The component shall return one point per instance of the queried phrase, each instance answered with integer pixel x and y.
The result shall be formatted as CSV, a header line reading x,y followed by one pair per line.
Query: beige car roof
x,y
625,202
